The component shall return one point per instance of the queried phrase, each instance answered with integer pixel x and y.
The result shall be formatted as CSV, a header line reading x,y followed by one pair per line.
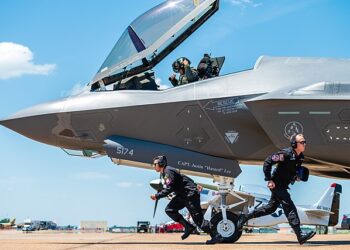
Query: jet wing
x,y
152,36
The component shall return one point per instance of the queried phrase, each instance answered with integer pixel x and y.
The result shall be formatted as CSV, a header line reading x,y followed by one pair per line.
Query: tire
x,y
325,230
229,231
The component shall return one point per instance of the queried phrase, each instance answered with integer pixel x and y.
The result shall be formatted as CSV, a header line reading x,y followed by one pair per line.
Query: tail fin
x,y
334,218
330,201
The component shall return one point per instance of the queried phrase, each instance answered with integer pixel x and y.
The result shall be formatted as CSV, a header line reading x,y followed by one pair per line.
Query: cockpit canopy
x,y
152,36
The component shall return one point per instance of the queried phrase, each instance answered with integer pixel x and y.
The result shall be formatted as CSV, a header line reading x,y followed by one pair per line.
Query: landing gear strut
x,y
224,221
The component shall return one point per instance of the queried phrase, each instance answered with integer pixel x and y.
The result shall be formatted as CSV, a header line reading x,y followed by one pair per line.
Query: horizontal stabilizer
x,y
318,212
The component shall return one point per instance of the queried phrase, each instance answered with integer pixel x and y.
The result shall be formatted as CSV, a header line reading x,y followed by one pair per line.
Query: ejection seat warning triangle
x,y
231,136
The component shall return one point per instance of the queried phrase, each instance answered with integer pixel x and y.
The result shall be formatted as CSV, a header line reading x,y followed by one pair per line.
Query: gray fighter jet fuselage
x,y
215,124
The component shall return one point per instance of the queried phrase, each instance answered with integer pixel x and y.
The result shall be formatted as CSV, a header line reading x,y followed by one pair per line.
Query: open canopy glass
x,y
153,35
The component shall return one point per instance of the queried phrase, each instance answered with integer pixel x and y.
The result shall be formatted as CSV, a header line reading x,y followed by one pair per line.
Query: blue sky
x,y
50,49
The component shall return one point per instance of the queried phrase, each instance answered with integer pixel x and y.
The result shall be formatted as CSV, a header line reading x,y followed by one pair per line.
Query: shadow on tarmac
x,y
127,243
315,243
309,243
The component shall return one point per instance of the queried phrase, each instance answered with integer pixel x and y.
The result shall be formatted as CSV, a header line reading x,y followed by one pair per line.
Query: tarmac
x,y
56,240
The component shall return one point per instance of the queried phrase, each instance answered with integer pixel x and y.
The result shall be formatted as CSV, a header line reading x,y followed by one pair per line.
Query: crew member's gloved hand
x,y
271,185
153,197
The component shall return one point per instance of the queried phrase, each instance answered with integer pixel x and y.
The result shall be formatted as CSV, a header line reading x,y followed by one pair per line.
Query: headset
x,y
162,161
293,141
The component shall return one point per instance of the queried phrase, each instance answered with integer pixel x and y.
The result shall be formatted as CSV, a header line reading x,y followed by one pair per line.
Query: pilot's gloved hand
x,y
172,77
153,197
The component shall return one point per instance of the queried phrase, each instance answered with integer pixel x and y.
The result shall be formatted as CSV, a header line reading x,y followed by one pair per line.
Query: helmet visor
x,y
176,67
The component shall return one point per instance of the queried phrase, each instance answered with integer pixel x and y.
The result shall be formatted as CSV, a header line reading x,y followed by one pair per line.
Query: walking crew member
x,y
288,162
187,195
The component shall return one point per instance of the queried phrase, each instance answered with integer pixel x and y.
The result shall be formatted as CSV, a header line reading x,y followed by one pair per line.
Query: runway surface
x,y
55,240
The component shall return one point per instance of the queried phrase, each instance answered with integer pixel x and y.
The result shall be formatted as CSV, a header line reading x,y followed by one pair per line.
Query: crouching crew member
x,y
288,170
186,195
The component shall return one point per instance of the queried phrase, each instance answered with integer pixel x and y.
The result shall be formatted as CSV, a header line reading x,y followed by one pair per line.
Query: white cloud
x,y
77,89
245,3
17,60
91,176
127,184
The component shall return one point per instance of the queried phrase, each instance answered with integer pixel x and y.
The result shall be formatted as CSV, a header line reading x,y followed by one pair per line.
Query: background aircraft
x,y
7,223
325,212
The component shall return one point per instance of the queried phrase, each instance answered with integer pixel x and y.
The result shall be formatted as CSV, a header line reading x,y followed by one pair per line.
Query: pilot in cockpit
x,y
187,73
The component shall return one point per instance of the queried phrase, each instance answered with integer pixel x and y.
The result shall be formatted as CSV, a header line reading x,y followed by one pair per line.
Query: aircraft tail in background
x,y
328,204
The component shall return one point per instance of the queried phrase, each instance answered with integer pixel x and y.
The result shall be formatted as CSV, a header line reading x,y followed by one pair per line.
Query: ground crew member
x,y
186,195
187,73
288,162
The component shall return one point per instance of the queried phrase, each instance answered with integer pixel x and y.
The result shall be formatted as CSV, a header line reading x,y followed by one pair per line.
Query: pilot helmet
x,y
179,64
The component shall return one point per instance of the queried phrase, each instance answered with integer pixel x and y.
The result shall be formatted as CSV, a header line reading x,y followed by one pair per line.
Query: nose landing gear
x,y
228,204
227,229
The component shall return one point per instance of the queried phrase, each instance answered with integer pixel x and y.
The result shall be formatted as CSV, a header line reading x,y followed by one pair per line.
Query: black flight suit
x,y
285,173
187,195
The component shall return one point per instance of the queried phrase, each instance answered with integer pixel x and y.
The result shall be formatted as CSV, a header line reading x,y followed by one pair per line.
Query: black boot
x,y
206,227
303,237
188,228
216,239
242,219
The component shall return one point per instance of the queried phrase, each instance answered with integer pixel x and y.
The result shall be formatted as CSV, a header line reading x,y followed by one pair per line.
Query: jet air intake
x,y
139,153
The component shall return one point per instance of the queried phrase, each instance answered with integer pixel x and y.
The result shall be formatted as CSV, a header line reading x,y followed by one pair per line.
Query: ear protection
x,y
293,141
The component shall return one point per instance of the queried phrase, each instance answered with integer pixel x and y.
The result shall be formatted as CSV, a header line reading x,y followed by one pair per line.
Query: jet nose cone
x,y
37,128
37,122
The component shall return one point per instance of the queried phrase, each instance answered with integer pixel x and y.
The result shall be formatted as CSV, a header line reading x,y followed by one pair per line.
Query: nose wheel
x,y
227,229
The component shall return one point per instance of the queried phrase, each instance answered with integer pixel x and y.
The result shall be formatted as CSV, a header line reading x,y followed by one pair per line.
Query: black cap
x,y
162,161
